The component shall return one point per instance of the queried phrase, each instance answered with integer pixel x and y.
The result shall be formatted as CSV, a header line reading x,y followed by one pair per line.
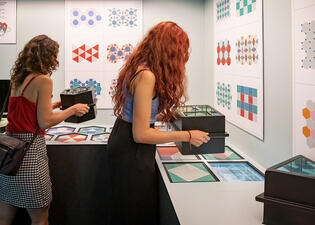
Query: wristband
x,y
189,135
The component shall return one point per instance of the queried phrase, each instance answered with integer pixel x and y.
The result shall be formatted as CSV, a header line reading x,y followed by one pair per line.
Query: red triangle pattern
x,y
87,54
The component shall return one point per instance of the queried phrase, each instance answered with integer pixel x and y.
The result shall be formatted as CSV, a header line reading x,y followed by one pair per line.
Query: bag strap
x,y
33,139
5,102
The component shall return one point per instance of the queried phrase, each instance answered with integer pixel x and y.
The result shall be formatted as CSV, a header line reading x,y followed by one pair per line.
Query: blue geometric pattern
x,y
89,83
120,17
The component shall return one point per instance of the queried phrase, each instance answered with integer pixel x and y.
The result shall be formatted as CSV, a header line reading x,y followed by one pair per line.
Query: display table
x,y
81,188
206,202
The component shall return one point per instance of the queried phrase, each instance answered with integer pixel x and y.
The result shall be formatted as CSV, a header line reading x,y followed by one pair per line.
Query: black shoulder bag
x,y
12,150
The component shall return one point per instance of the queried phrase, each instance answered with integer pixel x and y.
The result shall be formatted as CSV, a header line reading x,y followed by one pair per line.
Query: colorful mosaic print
x,y
115,53
308,45
122,17
237,171
246,50
247,102
85,53
71,138
244,7
75,83
228,154
223,50
60,130
89,18
102,138
309,129
3,28
223,9
188,172
224,96
92,130
112,88
172,153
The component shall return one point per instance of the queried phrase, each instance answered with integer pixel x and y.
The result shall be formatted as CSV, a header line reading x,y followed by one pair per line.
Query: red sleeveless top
x,y
22,114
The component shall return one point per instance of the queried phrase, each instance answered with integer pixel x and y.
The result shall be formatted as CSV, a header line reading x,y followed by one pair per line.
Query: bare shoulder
x,y
147,77
44,83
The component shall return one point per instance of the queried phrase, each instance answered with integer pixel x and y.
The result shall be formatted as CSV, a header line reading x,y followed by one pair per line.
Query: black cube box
x,y
204,118
290,192
83,95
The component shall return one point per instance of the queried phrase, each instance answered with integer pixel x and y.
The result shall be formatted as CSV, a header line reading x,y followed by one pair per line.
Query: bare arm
x,y
45,115
142,133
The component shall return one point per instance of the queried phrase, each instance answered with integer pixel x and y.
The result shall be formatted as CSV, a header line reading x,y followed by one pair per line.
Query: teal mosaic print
x,y
244,7
223,9
224,95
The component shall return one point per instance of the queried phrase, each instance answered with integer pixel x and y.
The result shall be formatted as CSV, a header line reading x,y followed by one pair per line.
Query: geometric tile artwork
x,y
102,138
48,137
112,88
244,7
247,102
115,53
188,172
223,9
71,138
236,171
229,154
172,153
75,83
85,53
60,130
246,52
120,17
3,28
91,130
90,18
309,130
309,45
223,50
224,96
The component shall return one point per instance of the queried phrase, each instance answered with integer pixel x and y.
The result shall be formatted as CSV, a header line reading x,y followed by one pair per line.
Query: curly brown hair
x,y
165,51
39,55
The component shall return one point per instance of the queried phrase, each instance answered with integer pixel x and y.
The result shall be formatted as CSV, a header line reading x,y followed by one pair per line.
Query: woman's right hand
x,y
198,137
80,109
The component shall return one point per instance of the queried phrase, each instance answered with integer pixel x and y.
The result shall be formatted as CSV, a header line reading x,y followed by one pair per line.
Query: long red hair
x,y
165,51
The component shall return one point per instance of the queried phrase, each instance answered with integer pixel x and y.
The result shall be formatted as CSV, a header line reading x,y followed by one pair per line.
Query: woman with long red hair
x,y
151,83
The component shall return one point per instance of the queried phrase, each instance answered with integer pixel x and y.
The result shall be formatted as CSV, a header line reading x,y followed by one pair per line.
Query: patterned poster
x,y
238,69
8,22
99,37
303,62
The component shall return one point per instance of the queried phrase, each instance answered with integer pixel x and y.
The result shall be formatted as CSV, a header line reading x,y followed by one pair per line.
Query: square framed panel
x,y
228,155
173,153
189,172
236,171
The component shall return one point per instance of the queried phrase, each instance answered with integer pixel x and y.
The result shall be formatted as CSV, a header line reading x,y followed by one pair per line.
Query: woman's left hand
x,y
56,105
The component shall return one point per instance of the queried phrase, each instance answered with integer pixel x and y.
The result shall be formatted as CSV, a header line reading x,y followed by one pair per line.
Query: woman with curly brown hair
x,y
151,82
30,111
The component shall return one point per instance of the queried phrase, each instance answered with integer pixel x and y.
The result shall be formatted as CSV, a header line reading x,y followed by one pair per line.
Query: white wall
x,y
195,16
277,144
48,17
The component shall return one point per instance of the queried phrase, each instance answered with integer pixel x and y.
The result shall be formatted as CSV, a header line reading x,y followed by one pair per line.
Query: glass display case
x,y
205,118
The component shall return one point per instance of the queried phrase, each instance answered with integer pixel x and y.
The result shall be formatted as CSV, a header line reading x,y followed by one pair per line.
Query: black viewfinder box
x,y
204,118
84,95
289,197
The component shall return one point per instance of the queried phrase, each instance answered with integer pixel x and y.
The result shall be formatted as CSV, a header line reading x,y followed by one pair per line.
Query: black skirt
x,y
133,178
